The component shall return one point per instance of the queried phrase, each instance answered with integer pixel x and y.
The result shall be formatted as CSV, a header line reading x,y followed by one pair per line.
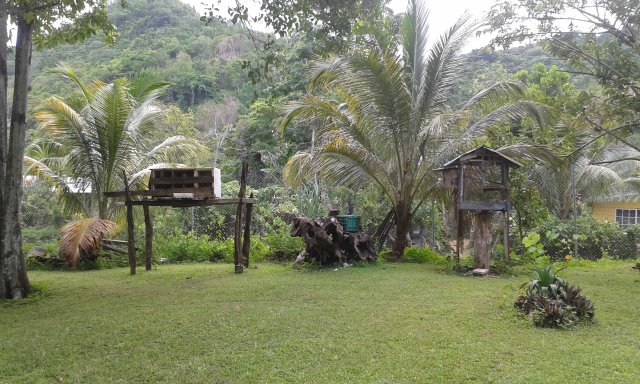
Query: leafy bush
x,y
552,302
282,247
44,258
194,248
596,239
39,235
421,255
190,247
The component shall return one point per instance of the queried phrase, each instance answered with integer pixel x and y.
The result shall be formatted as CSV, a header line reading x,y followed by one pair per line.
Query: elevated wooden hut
x,y
480,180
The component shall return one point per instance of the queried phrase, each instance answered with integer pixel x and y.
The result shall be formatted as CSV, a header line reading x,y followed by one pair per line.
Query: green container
x,y
350,223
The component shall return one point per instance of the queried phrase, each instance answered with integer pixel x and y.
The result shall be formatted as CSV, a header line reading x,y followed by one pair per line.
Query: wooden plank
x,y
111,241
482,206
180,180
165,192
131,247
490,188
191,203
159,170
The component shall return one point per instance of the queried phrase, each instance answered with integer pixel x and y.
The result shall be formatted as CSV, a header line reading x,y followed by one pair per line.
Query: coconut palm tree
x,y
580,175
383,115
85,143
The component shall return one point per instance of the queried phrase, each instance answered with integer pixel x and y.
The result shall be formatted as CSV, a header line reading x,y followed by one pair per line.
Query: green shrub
x,y
421,255
596,239
189,247
116,260
259,250
194,248
39,235
49,260
282,246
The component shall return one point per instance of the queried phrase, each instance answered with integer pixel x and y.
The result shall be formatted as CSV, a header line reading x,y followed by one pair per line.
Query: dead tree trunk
x,y
327,243
482,239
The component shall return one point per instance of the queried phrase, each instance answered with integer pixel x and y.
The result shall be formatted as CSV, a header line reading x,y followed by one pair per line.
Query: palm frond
x,y
344,161
83,237
172,149
299,168
65,71
539,154
145,86
510,113
442,70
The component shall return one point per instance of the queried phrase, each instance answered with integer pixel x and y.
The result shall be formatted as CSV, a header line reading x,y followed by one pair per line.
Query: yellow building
x,y
624,213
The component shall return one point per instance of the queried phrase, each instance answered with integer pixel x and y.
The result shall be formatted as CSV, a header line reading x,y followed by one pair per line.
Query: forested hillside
x,y
165,37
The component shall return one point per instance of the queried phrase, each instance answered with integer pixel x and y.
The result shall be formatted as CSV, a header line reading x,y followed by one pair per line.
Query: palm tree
x,y
88,141
385,117
580,175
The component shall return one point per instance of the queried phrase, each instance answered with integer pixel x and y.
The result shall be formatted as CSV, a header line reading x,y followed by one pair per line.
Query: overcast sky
x,y
443,12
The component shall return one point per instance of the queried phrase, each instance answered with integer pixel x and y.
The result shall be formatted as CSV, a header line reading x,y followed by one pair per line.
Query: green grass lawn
x,y
388,323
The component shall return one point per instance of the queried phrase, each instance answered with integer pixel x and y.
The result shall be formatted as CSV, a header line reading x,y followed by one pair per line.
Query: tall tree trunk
x,y
15,275
3,129
482,239
403,221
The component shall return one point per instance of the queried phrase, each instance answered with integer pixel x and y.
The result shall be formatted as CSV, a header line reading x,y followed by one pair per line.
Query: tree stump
x,y
328,244
482,240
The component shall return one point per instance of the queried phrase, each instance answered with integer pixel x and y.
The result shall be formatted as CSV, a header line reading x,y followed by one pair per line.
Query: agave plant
x,y
546,282
552,302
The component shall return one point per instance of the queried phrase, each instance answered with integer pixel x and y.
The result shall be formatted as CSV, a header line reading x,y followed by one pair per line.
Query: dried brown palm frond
x,y
83,237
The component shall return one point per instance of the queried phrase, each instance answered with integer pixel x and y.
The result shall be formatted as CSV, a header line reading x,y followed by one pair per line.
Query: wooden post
x,y
131,246
238,257
507,202
482,239
460,213
148,232
506,236
246,243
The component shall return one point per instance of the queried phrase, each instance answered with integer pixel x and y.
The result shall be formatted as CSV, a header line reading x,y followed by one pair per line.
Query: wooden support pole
x,y
506,237
246,243
148,233
131,246
460,214
238,258
506,197
482,239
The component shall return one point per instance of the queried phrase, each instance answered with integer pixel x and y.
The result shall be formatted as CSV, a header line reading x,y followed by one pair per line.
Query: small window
x,y
627,217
